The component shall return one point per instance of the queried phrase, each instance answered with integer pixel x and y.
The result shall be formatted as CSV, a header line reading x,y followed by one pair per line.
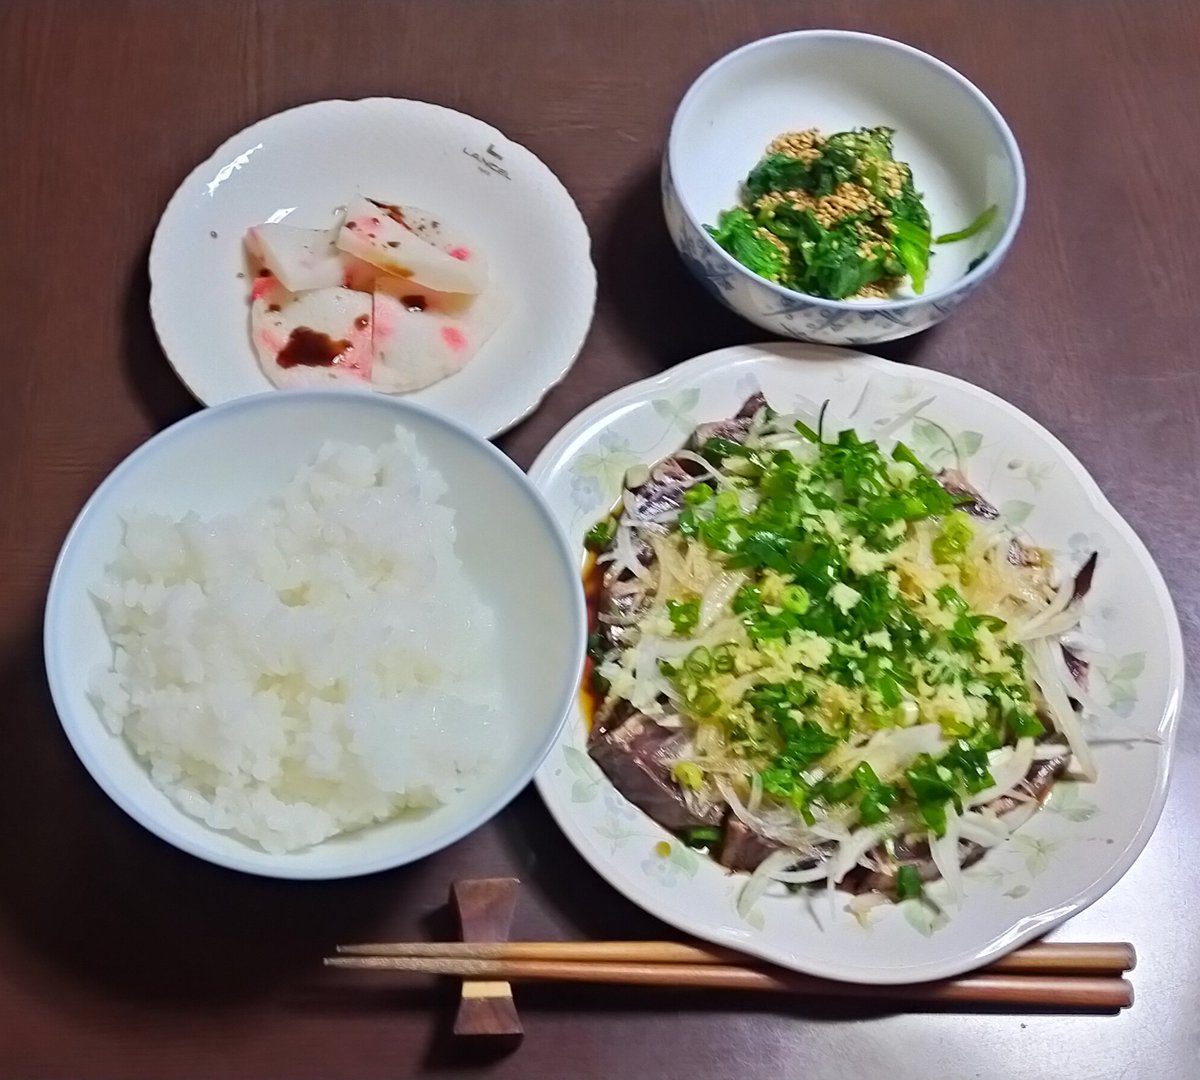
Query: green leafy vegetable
x,y
776,172
911,221
976,226
739,234
835,219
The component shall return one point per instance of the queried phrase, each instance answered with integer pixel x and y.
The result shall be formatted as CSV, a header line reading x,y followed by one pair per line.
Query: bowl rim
x,y
253,860
973,277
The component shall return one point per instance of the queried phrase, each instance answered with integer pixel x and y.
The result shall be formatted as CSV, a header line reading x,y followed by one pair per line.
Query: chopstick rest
x,y
485,910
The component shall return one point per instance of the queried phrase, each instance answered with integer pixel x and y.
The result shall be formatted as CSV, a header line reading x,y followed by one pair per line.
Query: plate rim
x,y
173,209
1024,928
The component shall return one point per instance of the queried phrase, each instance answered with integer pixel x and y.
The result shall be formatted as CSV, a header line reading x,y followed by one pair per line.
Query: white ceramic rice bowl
x,y
223,458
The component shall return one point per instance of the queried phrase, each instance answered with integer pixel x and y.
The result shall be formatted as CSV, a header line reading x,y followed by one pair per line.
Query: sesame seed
x,y
804,145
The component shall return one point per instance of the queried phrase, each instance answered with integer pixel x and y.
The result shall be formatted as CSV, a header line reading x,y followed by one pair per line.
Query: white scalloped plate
x,y
1066,856
300,166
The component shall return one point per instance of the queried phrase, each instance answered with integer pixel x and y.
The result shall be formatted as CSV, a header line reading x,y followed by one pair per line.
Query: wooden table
x,y
120,957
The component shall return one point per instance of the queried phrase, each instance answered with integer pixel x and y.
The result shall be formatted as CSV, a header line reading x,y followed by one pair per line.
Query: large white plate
x,y
1066,856
300,166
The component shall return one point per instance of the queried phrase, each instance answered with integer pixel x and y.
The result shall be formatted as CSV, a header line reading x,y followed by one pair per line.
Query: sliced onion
x,y
944,851
862,905
985,830
709,471
781,831
756,793
760,881
1061,601
637,475
793,442
1049,751
892,749
736,805
626,556
1065,719
801,877
1008,766
1073,687
830,830
1035,630
850,850
758,424
718,595
1017,817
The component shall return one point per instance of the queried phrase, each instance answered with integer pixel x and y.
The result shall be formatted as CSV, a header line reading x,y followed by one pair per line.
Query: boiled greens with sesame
x,y
847,657
832,216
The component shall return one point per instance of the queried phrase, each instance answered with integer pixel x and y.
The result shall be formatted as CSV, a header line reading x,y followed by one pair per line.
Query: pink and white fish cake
x,y
422,336
313,338
414,244
306,259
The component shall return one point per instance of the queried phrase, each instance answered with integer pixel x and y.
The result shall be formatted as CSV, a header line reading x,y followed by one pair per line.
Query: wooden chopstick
x,y
1044,958
1100,993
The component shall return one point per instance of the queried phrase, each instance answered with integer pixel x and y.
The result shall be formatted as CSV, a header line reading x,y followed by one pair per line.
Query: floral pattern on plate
x,y
1060,861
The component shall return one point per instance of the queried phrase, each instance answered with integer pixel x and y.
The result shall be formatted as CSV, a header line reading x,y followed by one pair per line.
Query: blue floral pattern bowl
x,y
963,155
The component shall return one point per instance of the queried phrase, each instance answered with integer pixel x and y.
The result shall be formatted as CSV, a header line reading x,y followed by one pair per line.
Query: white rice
x,y
312,664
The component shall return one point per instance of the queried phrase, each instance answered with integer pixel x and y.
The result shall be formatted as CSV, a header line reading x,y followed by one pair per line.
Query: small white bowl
x,y
300,166
221,459
963,156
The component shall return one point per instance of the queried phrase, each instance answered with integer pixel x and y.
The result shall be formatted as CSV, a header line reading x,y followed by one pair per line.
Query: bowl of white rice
x,y
313,634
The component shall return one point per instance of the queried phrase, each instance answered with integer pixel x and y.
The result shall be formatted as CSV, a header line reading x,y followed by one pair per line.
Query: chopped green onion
x,y
698,662
717,449
687,775
908,882
953,539
1026,725
727,504
701,836
698,495
600,535
949,597
796,599
702,701
807,432
684,615
724,659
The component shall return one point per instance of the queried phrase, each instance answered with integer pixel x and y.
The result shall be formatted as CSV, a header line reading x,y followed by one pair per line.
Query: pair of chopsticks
x,y
1076,977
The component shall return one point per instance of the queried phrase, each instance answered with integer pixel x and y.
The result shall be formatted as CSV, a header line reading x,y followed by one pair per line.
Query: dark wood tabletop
x,y
123,958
